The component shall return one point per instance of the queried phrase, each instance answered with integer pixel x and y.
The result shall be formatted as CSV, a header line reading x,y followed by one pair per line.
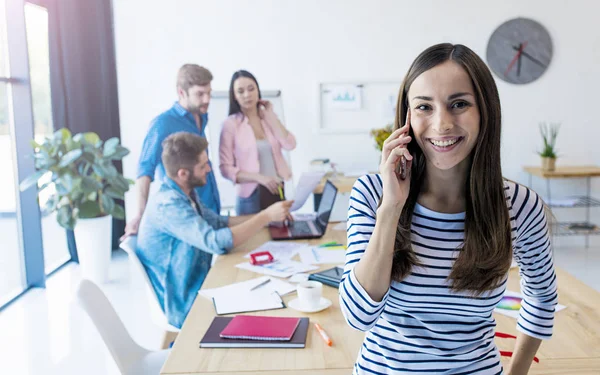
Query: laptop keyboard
x,y
300,228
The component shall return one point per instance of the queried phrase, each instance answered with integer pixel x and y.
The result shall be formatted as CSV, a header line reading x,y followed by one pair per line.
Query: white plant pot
x,y
94,242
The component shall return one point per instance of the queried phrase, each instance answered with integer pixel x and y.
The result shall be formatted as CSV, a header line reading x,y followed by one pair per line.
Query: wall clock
x,y
519,51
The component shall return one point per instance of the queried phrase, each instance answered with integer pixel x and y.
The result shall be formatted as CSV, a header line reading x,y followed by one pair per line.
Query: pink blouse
x,y
238,150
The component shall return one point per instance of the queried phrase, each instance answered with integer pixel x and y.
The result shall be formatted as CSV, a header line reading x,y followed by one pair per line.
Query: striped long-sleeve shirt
x,y
420,325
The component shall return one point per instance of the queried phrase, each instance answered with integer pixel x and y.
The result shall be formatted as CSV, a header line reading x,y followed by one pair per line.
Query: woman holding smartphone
x,y
430,246
250,149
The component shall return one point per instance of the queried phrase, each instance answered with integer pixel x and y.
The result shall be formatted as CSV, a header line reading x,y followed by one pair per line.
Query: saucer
x,y
323,304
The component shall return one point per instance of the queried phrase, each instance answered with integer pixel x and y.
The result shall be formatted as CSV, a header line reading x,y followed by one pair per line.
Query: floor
x,y
45,332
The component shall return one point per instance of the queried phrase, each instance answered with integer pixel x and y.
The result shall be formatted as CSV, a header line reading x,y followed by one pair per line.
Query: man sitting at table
x,y
178,234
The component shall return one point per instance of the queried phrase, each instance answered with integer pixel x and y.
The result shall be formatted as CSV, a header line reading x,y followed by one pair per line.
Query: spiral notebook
x,y
260,328
212,338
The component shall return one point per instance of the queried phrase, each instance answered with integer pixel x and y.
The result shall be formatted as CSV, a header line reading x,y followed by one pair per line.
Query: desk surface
x,y
565,171
342,183
574,348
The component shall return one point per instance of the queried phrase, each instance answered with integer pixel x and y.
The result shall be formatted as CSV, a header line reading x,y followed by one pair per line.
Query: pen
x,y
280,192
328,244
261,284
323,334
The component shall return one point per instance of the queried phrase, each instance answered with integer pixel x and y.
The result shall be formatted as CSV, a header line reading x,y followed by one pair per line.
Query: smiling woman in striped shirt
x,y
430,238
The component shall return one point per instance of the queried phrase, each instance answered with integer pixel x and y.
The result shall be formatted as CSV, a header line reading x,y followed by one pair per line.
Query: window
x,y
54,237
11,263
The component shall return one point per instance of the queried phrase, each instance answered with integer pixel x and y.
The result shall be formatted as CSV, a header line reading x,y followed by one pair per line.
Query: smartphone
x,y
402,168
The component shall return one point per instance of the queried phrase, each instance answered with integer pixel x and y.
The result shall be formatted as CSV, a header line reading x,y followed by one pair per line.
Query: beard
x,y
198,109
196,181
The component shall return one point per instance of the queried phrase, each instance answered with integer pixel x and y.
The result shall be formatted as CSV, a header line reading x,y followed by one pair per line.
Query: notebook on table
x,y
212,338
260,328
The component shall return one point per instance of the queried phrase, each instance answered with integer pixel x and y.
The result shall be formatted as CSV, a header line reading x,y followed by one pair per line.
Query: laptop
x,y
298,230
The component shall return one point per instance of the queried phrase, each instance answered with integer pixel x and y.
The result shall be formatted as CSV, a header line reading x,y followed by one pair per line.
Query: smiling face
x,y
445,115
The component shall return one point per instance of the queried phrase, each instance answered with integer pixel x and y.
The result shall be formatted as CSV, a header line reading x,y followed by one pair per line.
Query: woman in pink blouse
x,y
250,150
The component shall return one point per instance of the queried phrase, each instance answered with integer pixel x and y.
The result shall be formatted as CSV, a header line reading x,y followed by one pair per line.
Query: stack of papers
x,y
323,255
278,268
258,294
274,285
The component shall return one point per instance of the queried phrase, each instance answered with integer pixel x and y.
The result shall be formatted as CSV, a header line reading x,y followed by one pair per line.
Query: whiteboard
x,y
218,111
374,106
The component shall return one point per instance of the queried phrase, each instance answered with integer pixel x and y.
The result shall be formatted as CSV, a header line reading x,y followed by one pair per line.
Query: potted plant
x,y
549,133
380,135
79,174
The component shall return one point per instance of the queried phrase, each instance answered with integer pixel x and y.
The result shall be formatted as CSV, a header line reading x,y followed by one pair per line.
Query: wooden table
x,y
574,348
565,171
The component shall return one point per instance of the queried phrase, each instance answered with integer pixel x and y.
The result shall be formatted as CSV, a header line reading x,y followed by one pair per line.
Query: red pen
x,y
323,334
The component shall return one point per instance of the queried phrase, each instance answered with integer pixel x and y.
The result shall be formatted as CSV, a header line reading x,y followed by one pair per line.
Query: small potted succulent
x,y
549,133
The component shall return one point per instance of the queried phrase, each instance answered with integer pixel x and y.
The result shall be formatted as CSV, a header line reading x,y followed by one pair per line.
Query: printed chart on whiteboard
x,y
357,107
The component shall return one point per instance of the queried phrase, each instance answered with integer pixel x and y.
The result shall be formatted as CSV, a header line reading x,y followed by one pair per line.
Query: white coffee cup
x,y
309,294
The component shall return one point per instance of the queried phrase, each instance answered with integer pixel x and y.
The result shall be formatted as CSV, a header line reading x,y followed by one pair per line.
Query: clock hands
x,y
533,59
517,57
519,60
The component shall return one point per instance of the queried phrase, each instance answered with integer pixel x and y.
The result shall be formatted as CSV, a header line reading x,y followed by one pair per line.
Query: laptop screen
x,y
326,205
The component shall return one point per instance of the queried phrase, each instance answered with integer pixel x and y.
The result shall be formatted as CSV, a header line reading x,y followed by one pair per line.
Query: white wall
x,y
295,45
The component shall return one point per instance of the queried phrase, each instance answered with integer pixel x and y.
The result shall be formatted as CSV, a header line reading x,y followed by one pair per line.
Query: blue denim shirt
x,y
176,119
175,243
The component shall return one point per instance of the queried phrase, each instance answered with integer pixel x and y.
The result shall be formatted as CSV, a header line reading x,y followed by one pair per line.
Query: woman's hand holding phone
x,y
395,167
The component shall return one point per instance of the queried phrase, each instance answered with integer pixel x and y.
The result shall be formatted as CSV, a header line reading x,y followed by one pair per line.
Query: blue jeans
x,y
250,205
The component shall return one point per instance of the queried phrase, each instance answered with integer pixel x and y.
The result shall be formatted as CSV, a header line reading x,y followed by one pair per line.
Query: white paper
x,y
511,303
280,268
323,255
256,300
275,285
298,278
281,250
307,183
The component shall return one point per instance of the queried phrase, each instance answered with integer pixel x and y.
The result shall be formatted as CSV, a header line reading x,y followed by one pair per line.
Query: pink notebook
x,y
260,328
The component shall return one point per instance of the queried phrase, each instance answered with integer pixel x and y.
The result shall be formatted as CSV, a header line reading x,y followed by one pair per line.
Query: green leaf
x,y
114,192
110,146
34,144
120,183
65,217
90,185
51,203
62,135
99,170
91,138
118,212
89,210
108,204
70,157
89,157
31,180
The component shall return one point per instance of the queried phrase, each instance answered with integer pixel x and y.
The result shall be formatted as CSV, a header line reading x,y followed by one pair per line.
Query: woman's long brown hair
x,y
485,256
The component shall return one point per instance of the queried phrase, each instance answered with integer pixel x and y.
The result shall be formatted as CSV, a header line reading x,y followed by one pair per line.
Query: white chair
x,y
156,312
131,358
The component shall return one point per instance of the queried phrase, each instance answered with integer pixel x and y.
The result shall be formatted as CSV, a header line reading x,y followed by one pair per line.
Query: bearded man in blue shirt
x,y
179,234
